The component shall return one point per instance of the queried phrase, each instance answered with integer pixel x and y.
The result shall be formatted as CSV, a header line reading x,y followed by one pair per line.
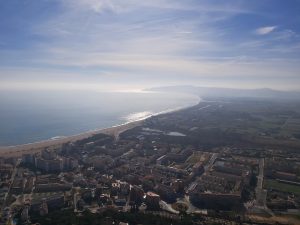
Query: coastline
x,y
18,150
30,148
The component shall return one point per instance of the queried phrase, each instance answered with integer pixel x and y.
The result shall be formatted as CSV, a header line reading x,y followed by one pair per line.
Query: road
x,y
11,183
8,216
207,167
167,207
211,162
260,200
259,205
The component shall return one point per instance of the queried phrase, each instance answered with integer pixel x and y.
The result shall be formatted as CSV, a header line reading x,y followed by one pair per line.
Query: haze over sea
x,y
32,116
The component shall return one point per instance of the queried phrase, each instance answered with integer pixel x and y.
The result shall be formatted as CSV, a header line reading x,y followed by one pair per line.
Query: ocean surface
x,y
32,116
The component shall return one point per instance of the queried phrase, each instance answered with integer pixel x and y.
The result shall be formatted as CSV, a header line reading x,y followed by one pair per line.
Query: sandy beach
x,y
18,150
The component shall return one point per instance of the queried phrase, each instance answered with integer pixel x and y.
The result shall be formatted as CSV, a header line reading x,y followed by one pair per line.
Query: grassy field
x,y
276,185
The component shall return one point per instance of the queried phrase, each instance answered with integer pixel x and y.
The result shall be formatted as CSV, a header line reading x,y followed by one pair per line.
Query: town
x,y
219,162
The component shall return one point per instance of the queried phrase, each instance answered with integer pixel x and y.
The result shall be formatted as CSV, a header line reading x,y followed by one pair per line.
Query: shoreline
x,y
18,150
34,147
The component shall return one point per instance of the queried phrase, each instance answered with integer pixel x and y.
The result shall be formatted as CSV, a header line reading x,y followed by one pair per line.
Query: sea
x,y
33,116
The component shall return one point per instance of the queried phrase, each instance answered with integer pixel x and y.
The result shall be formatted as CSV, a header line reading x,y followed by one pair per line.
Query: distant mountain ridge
x,y
230,92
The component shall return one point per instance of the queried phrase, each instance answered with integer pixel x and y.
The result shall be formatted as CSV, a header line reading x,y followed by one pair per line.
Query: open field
x,y
275,219
276,185
238,122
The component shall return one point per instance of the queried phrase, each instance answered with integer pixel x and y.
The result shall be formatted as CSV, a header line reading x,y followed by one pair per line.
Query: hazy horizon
x,y
28,117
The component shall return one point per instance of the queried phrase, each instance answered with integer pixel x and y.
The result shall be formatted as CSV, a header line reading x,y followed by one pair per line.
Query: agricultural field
x,y
279,186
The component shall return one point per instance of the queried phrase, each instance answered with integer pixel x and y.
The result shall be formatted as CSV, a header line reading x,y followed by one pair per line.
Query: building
x,y
162,160
41,164
152,201
69,163
28,159
47,154
124,188
136,195
53,202
44,208
198,168
51,165
55,165
215,200
24,214
178,186
120,202
167,193
53,187
17,186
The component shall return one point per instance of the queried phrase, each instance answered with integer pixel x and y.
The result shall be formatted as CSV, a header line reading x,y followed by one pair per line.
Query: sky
x,y
135,44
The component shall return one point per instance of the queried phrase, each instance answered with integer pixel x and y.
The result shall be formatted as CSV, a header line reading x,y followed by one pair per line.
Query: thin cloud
x,y
137,41
118,6
265,30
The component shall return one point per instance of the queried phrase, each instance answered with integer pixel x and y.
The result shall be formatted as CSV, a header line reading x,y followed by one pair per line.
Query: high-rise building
x,y
152,201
